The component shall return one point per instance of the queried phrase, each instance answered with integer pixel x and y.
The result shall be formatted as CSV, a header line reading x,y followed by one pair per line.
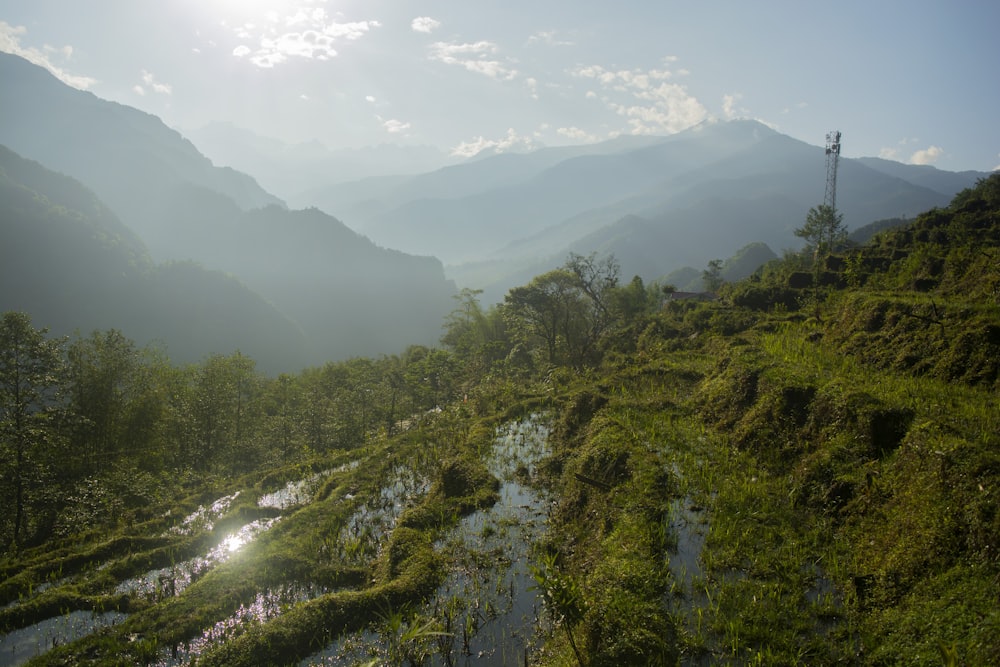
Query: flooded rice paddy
x,y
486,611
19,646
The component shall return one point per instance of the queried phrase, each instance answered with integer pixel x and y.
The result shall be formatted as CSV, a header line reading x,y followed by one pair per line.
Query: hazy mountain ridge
x,y
363,200
759,191
127,157
656,203
70,263
349,296
290,169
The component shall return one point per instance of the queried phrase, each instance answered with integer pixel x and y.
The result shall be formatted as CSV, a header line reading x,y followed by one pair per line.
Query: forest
x,y
798,468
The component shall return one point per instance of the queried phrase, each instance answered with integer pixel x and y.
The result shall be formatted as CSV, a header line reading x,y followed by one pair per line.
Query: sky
x,y
909,80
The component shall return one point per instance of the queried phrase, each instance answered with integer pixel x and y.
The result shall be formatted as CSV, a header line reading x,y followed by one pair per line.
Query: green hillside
x,y
803,471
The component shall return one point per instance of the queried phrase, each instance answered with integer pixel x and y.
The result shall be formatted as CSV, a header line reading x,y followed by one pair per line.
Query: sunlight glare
x,y
234,543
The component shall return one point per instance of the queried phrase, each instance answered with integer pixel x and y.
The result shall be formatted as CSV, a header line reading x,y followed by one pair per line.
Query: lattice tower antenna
x,y
832,157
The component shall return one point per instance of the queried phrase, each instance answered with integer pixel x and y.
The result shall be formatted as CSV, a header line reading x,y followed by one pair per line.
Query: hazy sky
x,y
912,80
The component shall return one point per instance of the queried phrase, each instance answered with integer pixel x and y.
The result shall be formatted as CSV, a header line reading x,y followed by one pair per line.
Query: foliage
x,y
823,230
711,277
30,405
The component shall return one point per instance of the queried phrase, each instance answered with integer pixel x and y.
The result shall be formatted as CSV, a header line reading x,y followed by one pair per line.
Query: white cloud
x,y
902,148
475,57
927,155
370,99
479,144
425,24
10,42
393,126
150,82
532,84
646,99
308,33
549,38
729,109
888,153
577,134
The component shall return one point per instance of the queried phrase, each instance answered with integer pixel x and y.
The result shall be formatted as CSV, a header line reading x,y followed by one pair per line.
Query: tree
x,y
225,410
30,394
549,308
823,229
598,280
711,277
629,302
104,372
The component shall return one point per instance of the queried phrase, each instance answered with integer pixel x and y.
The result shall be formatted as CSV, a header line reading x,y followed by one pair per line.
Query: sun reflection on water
x,y
233,543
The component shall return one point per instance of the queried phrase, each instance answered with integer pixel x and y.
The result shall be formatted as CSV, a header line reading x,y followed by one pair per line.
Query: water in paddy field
x,y
19,646
171,581
486,611
23,644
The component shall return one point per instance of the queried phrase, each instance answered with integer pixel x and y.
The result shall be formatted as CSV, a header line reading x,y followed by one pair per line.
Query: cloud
x,y
927,155
532,84
647,99
308,33
475,57
149,81
425,24
393,126
370,99
729,109
896,152
10,42
548,37
577,134
479,144
796,106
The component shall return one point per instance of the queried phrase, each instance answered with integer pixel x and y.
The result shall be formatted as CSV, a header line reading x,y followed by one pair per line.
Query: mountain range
x,y
337,293
385,276
290,169
657,203
68,261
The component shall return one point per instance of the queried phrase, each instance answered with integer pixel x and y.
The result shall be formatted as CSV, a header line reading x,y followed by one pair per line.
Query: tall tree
x,y
823,229
550,309
711,277
102,370
30,389
597,280
479,338
225,410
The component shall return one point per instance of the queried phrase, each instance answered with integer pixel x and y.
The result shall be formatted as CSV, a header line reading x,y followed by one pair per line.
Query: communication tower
x,y
832,157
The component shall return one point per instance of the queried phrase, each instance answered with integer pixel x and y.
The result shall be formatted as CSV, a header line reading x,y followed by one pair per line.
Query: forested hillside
x,y
801,470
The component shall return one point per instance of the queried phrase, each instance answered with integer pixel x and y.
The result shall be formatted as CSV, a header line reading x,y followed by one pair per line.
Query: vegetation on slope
x,y
801,472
